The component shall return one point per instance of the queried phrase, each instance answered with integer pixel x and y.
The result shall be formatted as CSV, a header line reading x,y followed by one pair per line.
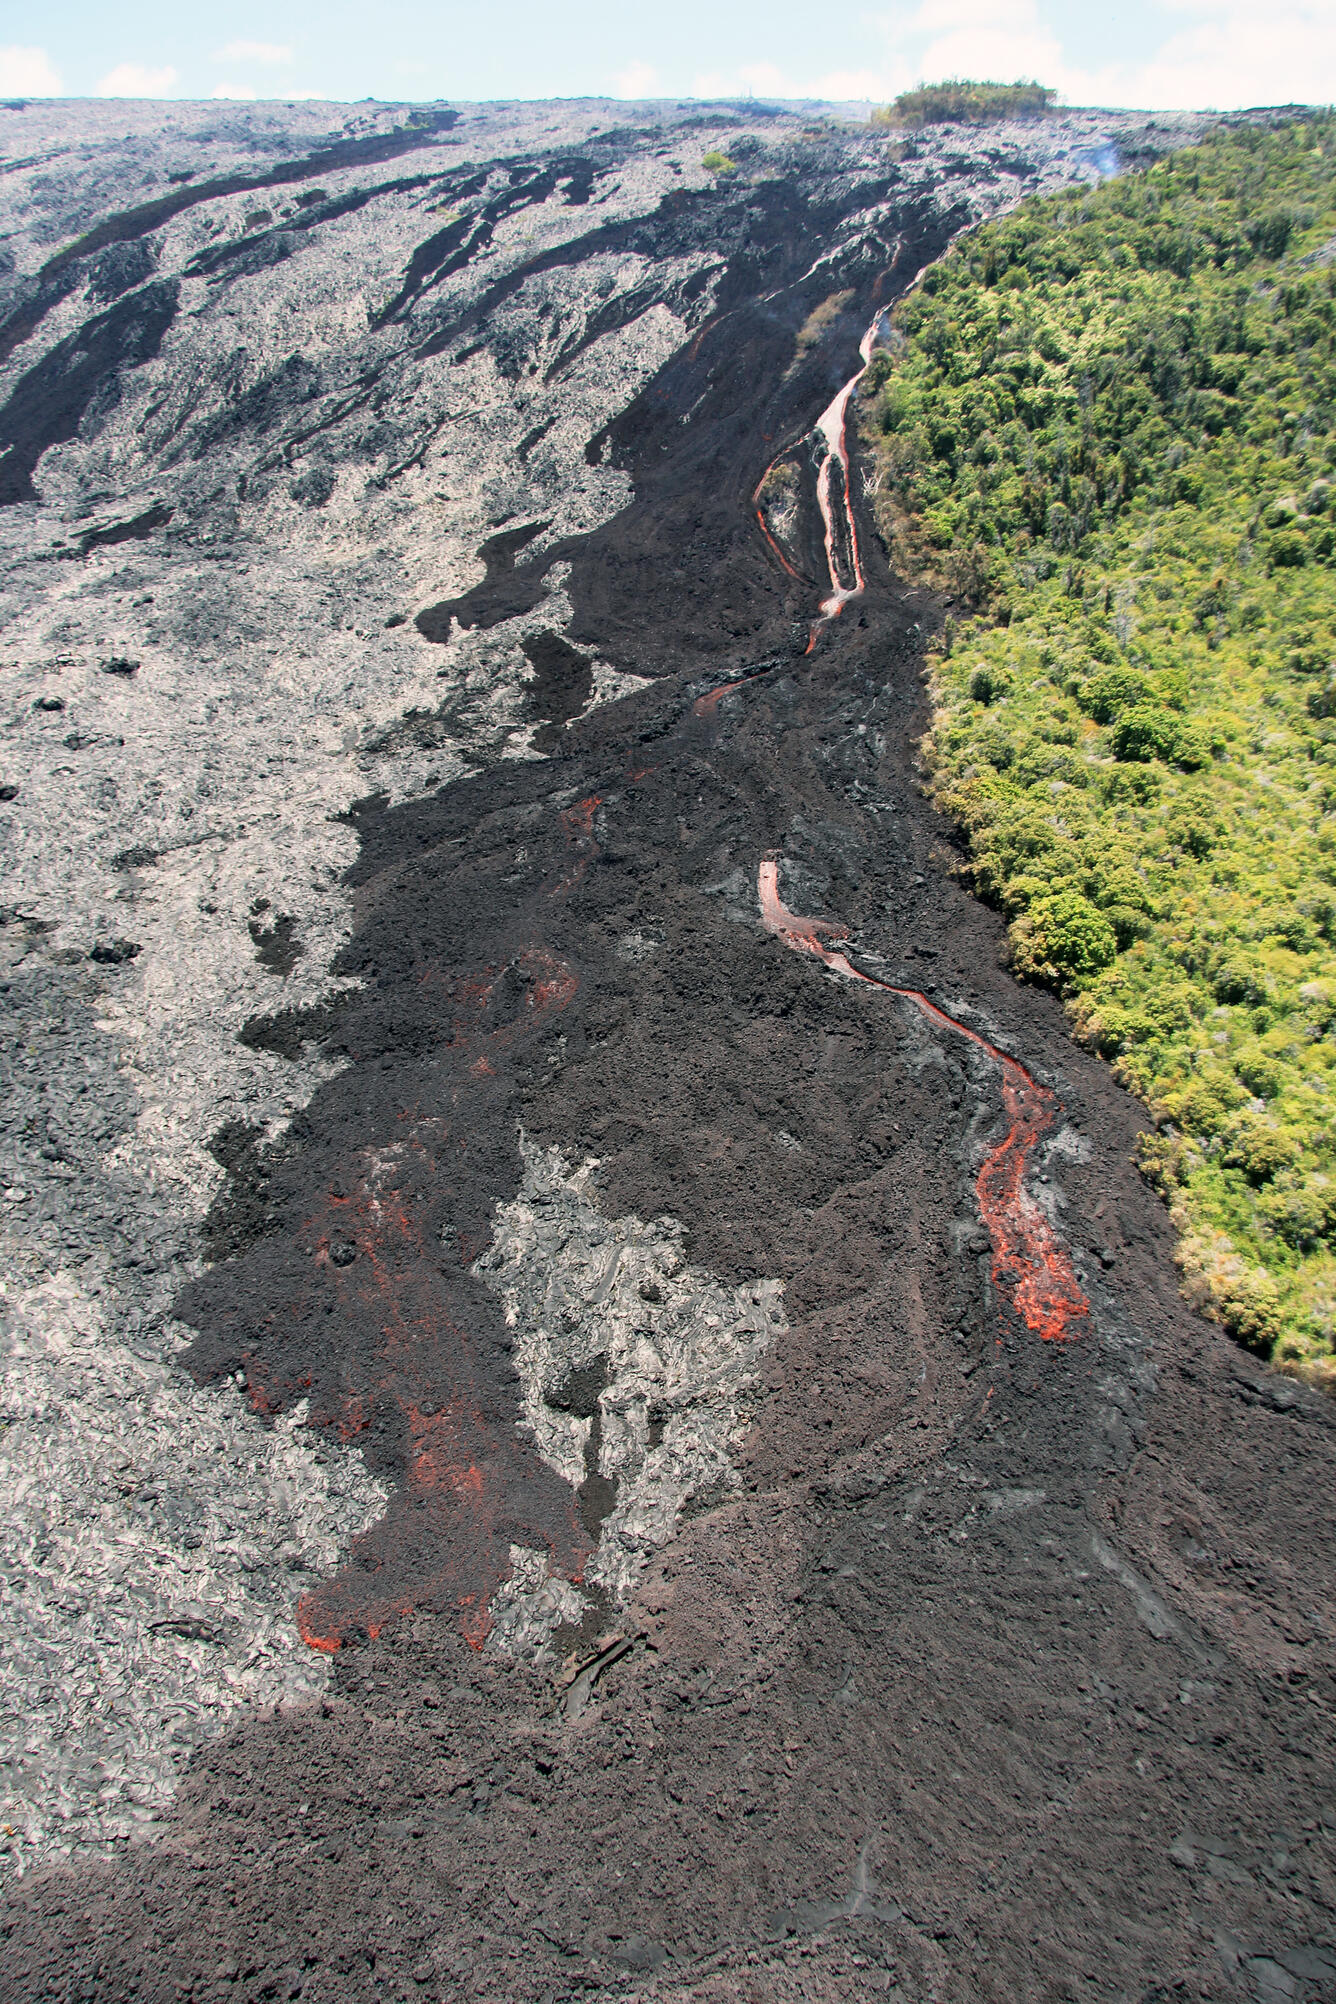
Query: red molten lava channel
x,y
832,426
706,705
1026,1252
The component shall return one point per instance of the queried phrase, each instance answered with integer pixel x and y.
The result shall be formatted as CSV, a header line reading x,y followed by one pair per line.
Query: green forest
x,y
1106,425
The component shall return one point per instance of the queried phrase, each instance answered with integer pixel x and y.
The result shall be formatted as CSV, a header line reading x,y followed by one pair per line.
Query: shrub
x,y
719,163
1310,659
1204,1106
1063,939
1193,833
821,317
1114,690
1257,1146
1164,1160
1270,233
1135,786
1219,1282
1288,550
1263,1075
1129,923
1237,980
1300,1209
1193,749
1146,731
1293,929
997,748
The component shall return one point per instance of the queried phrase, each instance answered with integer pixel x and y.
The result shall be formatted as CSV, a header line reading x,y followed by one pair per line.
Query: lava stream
x,y
1026,1252
832,427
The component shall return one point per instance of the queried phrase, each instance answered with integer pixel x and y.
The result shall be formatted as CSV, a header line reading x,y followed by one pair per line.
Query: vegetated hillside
x,y
1109,427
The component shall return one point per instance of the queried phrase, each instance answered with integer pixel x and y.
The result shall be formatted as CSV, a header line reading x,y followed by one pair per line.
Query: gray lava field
x,y
519,1477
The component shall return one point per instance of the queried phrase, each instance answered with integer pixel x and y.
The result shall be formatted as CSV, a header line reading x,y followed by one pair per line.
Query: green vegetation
x,y
716,162
1110,430
958,102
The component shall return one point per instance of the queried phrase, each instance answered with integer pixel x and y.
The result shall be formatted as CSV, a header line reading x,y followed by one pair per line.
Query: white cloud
x,y
136,80
956,16
637,80
233,90
1240,52
27,73
1211,54
766,79
254,52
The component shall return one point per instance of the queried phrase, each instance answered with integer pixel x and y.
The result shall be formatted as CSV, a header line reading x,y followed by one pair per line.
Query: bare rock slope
x,y
505,1366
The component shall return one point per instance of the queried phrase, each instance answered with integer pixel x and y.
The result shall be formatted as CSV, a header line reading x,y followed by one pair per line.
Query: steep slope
x,y
682,1291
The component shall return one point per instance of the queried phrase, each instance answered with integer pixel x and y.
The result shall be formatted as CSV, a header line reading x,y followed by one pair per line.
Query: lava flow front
x,y
1026,1252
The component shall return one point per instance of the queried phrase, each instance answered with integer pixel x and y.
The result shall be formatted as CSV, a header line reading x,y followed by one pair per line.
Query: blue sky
x,y
1155,53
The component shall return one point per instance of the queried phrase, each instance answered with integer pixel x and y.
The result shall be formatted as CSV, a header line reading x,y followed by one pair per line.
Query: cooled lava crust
x,y
1007,1673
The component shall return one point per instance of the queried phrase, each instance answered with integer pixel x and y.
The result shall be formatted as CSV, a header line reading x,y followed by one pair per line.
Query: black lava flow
x,y
1006,1672
486,941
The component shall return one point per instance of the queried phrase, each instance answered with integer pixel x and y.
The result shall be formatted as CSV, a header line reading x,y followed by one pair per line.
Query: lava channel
x,y
1026,1253
844,562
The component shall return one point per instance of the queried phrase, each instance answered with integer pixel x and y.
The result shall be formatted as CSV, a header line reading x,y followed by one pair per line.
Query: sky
x,y
1156,54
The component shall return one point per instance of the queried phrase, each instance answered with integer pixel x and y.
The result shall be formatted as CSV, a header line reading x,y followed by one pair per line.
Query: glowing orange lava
x,y
764,526
1026,1252
706,705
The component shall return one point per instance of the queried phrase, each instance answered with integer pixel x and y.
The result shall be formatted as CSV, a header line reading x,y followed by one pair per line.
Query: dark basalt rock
x,y
120,268
51,400
502,594
136,529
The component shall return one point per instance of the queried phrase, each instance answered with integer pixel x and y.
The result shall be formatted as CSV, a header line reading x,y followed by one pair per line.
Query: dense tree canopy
x,y
1107,424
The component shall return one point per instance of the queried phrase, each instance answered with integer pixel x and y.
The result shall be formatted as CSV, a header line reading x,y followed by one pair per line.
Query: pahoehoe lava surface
x,y
1004,1668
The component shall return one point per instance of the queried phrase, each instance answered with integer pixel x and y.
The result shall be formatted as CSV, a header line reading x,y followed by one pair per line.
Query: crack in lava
x,y
1026,1251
